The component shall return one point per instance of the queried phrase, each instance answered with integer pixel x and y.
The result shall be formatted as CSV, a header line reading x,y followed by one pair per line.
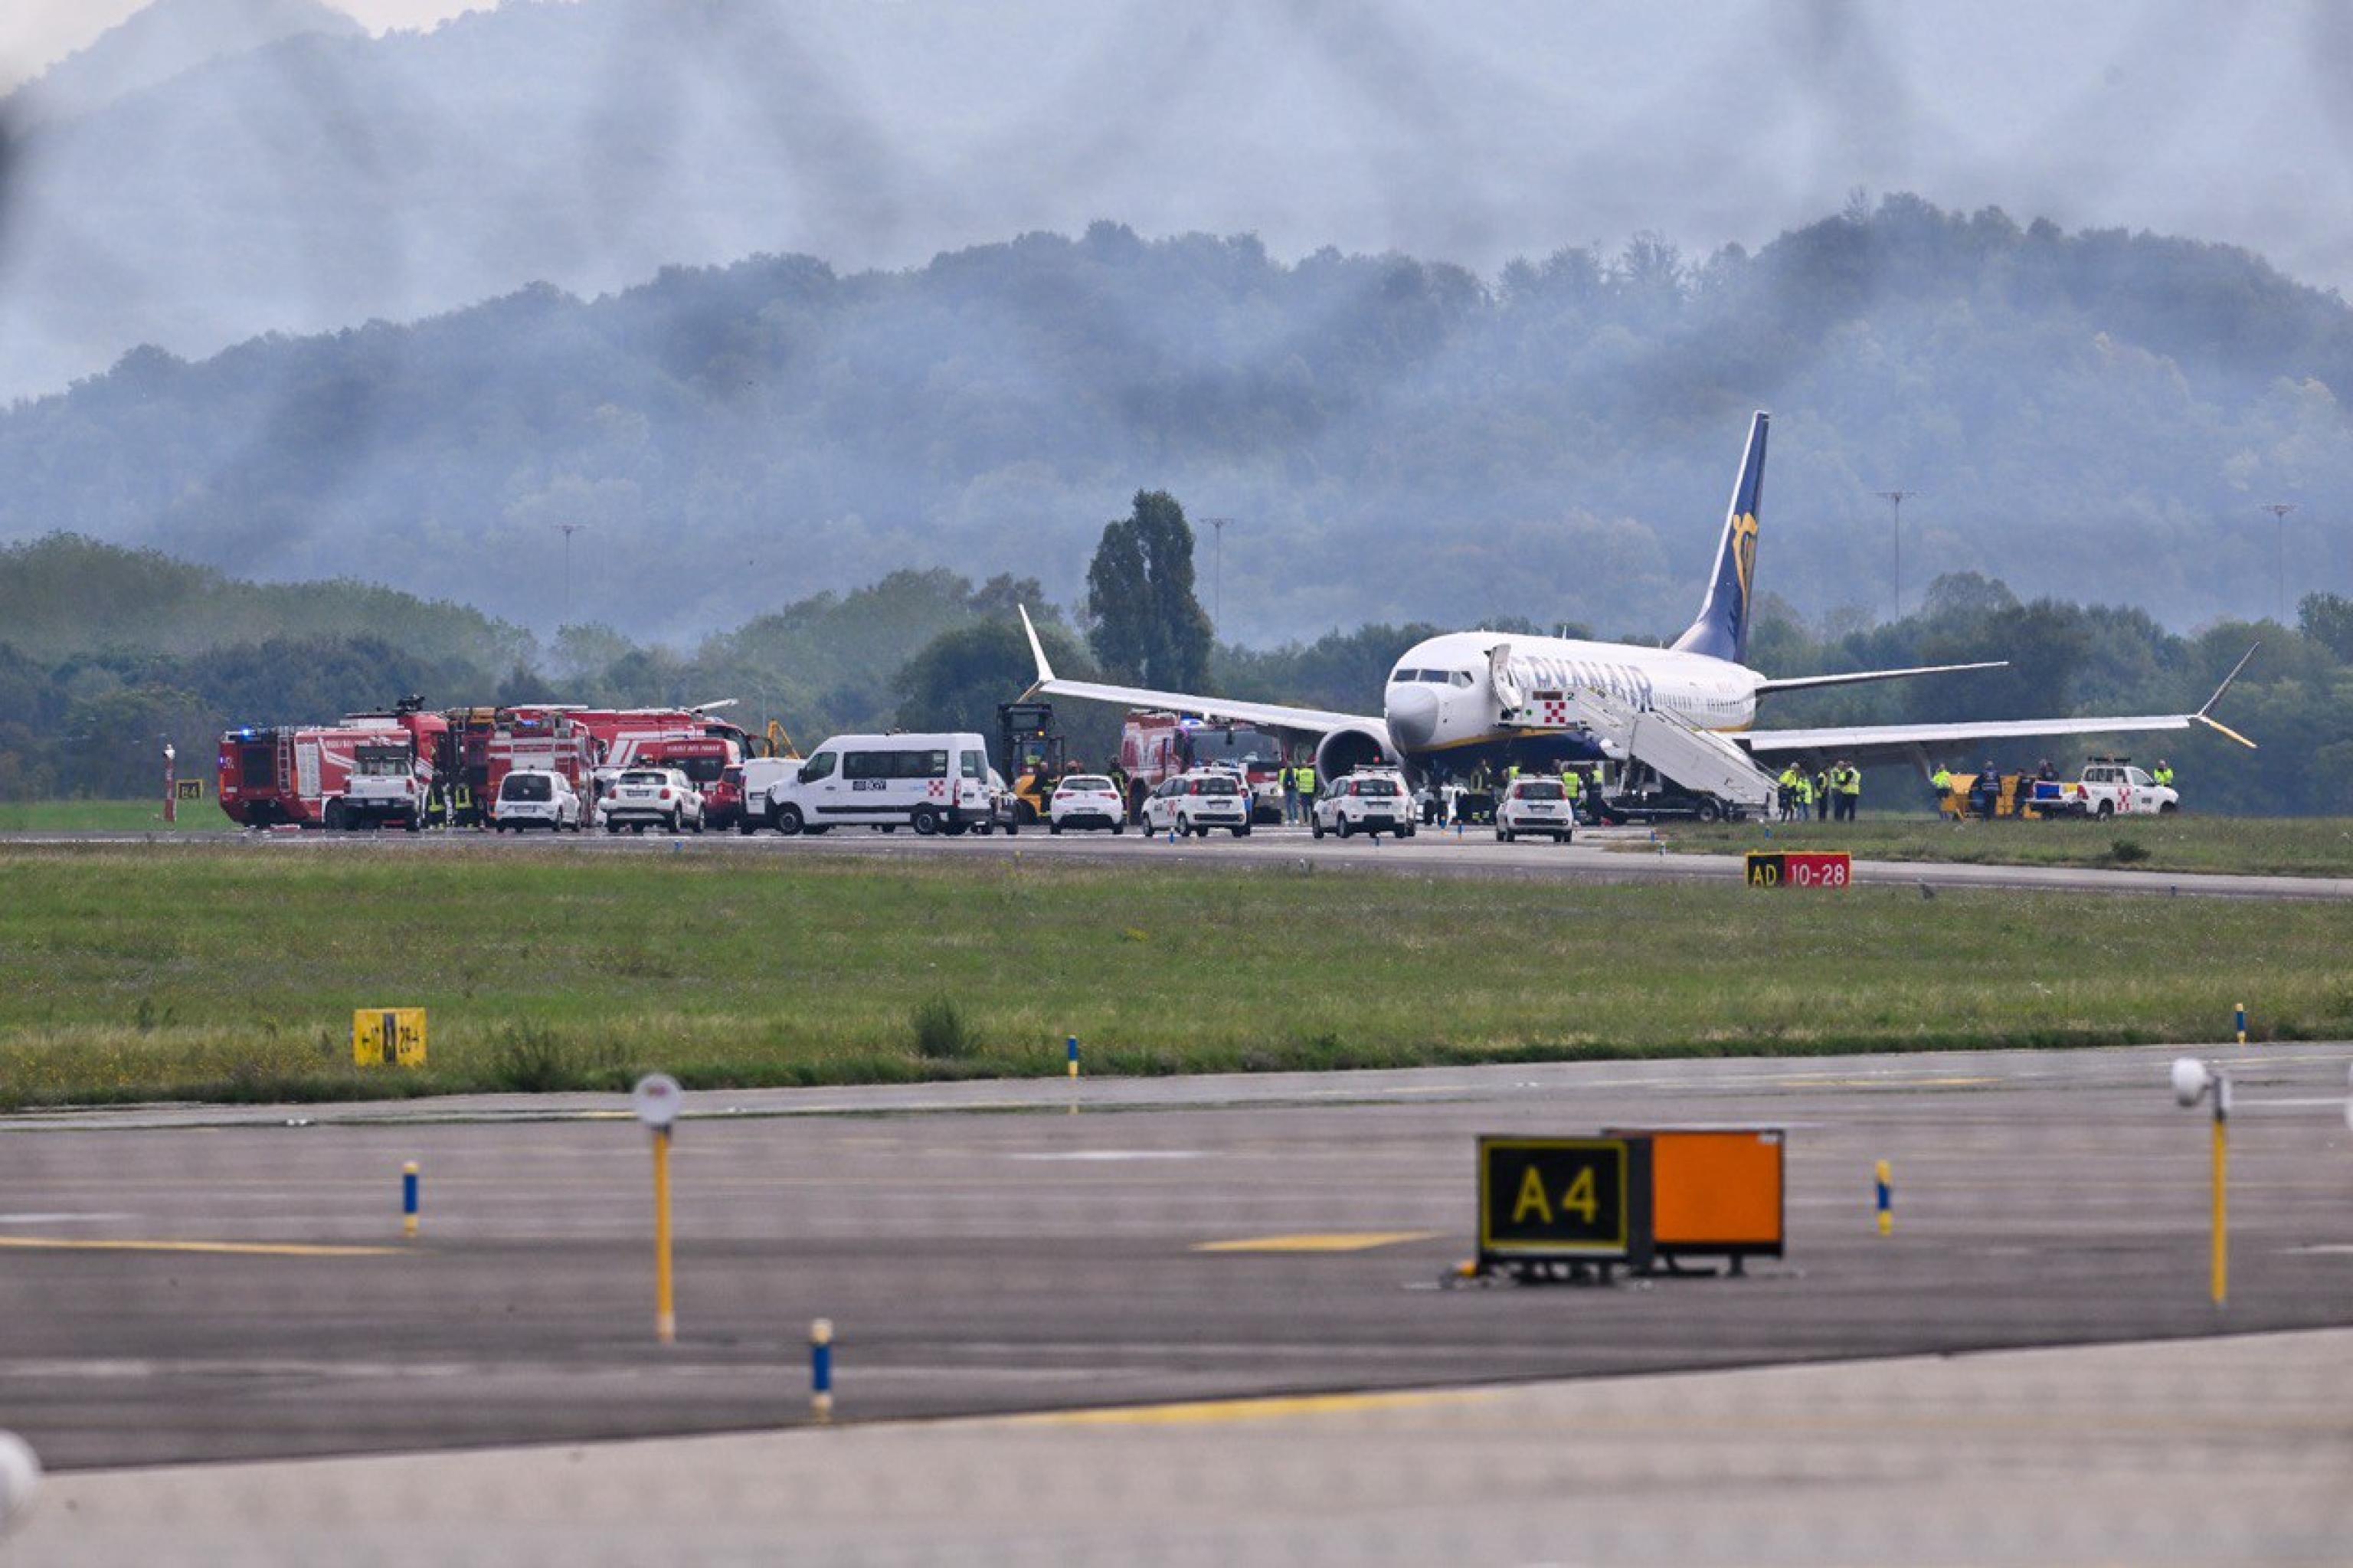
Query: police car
x,y
1535,806
1197,801
1370,801
644,797
1086,800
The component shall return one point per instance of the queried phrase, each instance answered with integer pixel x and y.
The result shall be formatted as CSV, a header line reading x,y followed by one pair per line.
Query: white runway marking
x,y
1106,1154
59,1218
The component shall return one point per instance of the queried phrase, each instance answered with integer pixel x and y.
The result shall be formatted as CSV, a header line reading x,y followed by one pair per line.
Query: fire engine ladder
x,y
1698,760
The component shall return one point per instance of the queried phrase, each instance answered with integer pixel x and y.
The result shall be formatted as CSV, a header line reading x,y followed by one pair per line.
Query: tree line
x,y
933,650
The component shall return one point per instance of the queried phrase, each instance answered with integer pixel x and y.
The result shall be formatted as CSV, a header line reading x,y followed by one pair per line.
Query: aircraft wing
x,y
1889,742
1269,716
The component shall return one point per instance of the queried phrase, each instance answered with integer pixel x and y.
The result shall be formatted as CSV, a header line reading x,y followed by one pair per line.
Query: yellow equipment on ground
x,y
2014,797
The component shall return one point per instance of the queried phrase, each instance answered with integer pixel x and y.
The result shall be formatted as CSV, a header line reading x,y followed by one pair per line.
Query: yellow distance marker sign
x,y
388,1036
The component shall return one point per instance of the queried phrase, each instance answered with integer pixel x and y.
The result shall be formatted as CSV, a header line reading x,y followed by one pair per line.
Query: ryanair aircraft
x,y
1468,697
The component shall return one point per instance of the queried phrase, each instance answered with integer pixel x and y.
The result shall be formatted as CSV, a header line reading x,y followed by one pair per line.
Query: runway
x,y
984,1248
1599,854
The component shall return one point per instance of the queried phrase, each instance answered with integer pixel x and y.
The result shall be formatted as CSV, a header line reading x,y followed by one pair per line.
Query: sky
x,y
36,34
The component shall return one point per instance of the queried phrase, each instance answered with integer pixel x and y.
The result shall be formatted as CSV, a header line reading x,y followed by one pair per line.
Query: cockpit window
x,y
1461,677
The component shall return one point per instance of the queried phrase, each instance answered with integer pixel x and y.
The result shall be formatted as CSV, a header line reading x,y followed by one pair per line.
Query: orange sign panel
x,y
1715,1190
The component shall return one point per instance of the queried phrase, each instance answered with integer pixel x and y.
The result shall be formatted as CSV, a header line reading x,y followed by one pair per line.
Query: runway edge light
x,y
20,1479
408,1196
656,1101
2193,1081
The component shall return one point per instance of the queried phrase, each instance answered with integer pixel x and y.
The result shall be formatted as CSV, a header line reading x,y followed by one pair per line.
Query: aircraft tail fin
x,y
1722,630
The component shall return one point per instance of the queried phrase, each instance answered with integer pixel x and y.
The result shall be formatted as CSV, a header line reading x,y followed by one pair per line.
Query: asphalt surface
x,y
2228,1451
984,1248
1598,855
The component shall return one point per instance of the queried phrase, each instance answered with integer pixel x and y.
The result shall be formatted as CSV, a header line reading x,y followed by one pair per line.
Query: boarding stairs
x,y
1700,761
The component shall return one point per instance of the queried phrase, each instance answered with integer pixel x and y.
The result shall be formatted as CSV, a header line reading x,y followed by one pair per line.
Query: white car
x,y
1086,800
1535,806
1195,802
644,797
536,798
1368,802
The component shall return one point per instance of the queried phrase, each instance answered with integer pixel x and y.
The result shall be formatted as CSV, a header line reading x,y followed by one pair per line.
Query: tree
x,y
961,675
2327,620
1148,626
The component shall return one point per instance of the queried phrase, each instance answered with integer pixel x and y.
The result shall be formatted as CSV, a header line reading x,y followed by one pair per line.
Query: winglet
x,y
2204,716
1038,649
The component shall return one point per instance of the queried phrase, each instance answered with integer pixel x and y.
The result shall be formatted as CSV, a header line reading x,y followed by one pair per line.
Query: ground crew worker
x,y
1805,792
1307,782
1290,793
1788,784
1821,783
2162,773
1850,791
1987,789
462,802
1572,784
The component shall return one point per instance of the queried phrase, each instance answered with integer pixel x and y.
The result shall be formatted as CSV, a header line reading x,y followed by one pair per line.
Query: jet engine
x,y
1345,750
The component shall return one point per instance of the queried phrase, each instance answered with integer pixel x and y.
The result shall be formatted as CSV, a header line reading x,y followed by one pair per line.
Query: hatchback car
x,y
644,797
1535,806
535,797
1196,802
1086,800
1364,802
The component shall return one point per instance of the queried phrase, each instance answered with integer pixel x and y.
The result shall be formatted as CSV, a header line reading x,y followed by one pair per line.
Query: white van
x,y
932,783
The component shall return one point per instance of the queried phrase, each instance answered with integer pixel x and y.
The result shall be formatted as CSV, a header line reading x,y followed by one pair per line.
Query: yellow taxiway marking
x,y
1210,1411
264,1249
1322,1241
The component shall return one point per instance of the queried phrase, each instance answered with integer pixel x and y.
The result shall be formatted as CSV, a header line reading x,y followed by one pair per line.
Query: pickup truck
x,y
2106,790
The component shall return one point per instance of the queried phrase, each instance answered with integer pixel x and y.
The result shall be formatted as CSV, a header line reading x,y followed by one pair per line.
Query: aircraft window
x,y
1459,678
1400,675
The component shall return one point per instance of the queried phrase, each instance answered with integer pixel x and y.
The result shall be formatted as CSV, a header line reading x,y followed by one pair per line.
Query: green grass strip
x,y
230,972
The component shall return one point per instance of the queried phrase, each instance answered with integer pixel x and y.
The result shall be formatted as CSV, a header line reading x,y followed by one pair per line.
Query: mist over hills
x,y
2097,416
313,181
163,41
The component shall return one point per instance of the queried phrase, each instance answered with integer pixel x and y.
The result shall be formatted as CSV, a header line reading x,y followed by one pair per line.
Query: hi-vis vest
x,y
1573,784
1943,781
1307,781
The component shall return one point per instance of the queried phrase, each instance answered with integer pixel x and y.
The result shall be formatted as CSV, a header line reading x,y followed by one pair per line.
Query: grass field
x,y
2282,846
224,972
111,816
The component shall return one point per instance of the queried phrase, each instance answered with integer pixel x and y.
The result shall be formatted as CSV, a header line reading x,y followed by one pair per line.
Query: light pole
x,y
568,530
2279,511
1895,499
1218,575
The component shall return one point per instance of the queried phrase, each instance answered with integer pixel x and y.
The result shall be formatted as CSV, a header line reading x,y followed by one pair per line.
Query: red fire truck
x,y
1154,746
592,746
357,775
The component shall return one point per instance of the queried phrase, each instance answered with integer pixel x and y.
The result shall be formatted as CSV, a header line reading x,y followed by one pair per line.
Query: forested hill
x,y
2097,416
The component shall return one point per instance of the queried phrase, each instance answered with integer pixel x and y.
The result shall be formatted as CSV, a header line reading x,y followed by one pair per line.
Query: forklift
x,y
1033,757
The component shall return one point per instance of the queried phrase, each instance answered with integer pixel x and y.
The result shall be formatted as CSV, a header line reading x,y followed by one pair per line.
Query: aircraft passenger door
x,y
1499,676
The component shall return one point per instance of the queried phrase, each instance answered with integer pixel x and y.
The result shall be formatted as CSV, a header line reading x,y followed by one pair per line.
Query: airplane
x,y
1458,700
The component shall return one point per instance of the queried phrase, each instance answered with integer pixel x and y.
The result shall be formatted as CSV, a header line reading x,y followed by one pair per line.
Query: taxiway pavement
x,y
176,1285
